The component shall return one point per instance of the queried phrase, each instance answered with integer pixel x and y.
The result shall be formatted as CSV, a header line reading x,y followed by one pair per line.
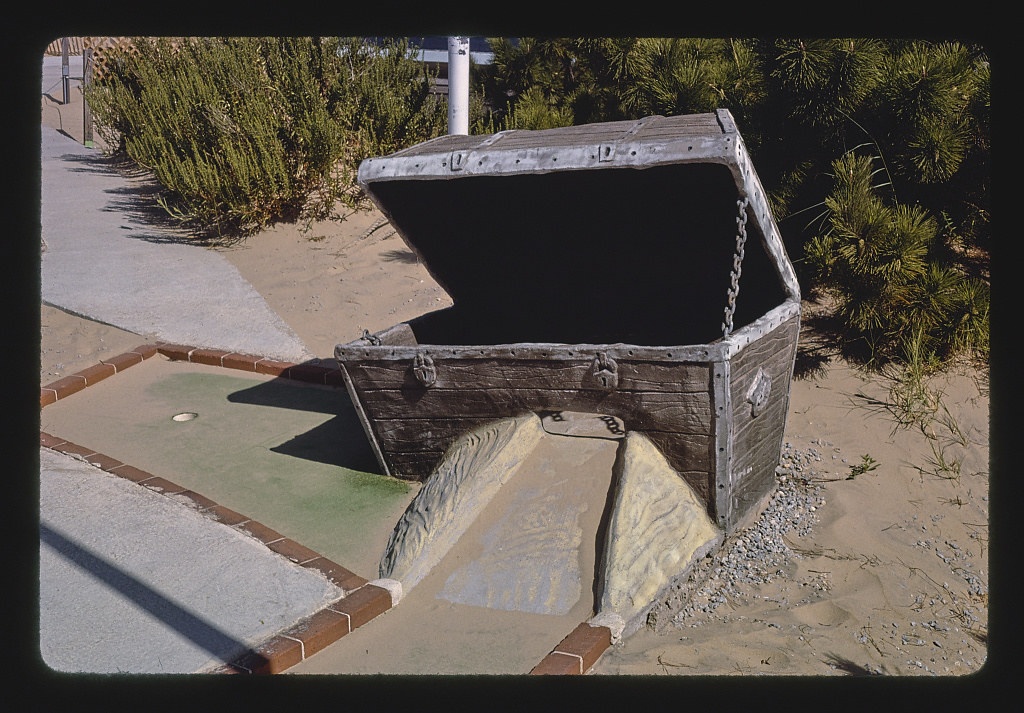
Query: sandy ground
x,y
891,578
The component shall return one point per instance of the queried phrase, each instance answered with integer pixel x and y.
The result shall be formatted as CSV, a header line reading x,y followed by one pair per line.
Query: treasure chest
x,y
630,269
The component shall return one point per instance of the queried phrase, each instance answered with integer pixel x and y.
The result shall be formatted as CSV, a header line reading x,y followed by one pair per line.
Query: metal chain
x,y
373,339
737,267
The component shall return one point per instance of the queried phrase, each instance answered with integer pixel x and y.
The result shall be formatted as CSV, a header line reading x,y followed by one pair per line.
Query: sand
x,y
892,576
890,579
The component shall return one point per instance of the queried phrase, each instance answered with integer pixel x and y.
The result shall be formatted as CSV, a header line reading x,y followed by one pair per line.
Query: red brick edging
x,y
362,600
577,652
62,388
324,372
314,633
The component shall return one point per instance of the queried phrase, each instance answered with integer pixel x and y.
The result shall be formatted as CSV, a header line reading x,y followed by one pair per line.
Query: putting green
x,y
290,455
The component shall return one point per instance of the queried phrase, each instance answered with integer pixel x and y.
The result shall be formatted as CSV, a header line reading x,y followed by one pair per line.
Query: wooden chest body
x,y
593,269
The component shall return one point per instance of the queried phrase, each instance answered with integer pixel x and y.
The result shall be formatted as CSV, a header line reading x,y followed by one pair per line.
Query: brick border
x,y
576,653
319,371
362,600
72,384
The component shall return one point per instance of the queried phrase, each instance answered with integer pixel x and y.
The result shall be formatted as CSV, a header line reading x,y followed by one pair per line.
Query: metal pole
x,y
86,111
458,85
65,69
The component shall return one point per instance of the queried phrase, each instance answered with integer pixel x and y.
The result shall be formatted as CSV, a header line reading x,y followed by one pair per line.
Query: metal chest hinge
x,y
456,160
423,369
605,372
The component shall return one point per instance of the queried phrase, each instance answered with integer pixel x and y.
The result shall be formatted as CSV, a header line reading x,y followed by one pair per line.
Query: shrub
x,y
384,100
880,262
245,132
534,111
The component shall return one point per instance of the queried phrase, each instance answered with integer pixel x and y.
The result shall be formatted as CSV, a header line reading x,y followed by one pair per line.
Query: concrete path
x,y
102,261
131,580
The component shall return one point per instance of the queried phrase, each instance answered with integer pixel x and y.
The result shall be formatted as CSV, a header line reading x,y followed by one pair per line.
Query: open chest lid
x,y
599,222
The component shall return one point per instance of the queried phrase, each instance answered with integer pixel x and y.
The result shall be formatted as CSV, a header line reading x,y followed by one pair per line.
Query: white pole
x,y
458,85
65,70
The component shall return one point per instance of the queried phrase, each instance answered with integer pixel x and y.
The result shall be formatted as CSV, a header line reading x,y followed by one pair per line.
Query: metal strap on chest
x,y
737,267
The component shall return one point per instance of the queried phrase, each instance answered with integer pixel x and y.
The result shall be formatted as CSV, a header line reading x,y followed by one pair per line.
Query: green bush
x,y
384,98
894,297
245,132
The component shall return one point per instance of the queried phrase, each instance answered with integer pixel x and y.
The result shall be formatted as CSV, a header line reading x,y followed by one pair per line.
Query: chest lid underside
x,y
603,233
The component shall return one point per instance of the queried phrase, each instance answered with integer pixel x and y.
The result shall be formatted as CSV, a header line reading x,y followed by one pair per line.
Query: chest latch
x,y
423,369
605,372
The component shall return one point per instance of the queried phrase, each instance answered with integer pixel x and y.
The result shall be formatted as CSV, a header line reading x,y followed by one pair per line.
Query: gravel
x,y
760,554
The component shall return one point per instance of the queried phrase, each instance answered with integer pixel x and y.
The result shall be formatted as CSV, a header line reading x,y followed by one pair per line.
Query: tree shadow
x,y
406,257
812,362
138,201
818,345
849,667
140,204
106,164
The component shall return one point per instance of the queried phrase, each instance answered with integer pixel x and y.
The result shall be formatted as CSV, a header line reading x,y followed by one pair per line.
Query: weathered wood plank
x,y
414,424
774,356
421,434
408,434
747,429
757,440
529,373
685,452
664,131
682,413
585,134
417,465
758,450
661,127
775,347
774,352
